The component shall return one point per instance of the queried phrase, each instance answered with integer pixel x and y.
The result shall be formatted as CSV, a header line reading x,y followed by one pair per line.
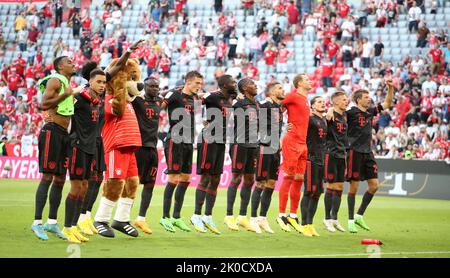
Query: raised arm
x,y
390,95
123,59
51,97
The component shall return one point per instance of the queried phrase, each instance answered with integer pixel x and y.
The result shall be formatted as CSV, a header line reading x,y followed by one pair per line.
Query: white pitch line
x,y
348,255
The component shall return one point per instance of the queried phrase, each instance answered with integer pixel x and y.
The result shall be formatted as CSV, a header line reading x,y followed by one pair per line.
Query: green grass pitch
x,y
407,227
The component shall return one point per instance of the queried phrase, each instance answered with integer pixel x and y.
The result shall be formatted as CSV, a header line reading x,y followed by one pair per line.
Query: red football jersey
x,y
298,115
120,132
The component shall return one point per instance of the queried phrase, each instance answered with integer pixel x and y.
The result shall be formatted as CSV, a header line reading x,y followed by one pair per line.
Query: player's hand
x,y
240,96
390,83
135,45
205,123
289,127
330,114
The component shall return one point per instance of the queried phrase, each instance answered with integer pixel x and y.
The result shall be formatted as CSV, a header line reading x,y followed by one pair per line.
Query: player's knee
x,y
249,180
48,178
299,177
59,180
316,196
215,180
373,185
236,179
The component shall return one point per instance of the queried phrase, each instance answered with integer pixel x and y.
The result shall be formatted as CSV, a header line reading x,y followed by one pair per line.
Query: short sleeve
x,y
108,105
287,100
376,110
169,97
237,103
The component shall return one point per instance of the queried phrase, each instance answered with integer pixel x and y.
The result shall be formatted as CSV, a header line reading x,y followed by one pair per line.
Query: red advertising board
x,y
28,168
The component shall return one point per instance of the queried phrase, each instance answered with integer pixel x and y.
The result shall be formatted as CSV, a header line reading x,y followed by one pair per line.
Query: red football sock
x,y
295,194
284,192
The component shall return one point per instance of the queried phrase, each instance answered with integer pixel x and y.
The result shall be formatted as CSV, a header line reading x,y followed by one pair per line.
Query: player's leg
x,y
211,192
307,194
40,200
295,191
266,198
147,161
200,196
316,190
48,171
83,172
237,155
182,186
53,159
173,158
200,192
246,190
353,176
336,204
94,183
371,175
71,203
262,167
328,195
354,185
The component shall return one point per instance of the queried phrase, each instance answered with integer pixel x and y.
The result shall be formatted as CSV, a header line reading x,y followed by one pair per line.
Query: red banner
x,y
28,168
16,150
19,168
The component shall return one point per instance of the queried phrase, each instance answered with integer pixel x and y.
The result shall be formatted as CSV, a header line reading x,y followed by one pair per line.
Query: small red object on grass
x,y
371,242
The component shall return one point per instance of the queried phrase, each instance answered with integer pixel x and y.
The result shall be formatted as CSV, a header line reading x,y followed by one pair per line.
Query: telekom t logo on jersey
x,y
362,121
340,127
94,115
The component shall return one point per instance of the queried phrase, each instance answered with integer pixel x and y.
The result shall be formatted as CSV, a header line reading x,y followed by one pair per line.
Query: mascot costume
x,y
121,138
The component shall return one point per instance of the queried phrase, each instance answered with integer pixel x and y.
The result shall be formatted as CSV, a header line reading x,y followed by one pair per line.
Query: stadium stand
x,y
339,45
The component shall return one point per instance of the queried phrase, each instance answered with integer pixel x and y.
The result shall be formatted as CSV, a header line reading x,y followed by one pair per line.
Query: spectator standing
x,y
422,35
58,9
436,59
414,17
327,72
367,53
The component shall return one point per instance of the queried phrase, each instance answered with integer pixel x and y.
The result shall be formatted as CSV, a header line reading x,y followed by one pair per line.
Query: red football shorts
x,y
121,164
295,156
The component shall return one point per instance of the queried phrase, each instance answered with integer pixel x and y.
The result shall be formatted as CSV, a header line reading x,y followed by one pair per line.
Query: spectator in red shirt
x,y
15,81
333,49
317,55
269,57
5,73
343,9
436,59
283,55
164,64
252,71
293,16
327,72
152,61
248,6
33,34
20,64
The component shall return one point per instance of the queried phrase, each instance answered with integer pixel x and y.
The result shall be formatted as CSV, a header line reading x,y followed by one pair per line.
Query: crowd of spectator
x,y
415,128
